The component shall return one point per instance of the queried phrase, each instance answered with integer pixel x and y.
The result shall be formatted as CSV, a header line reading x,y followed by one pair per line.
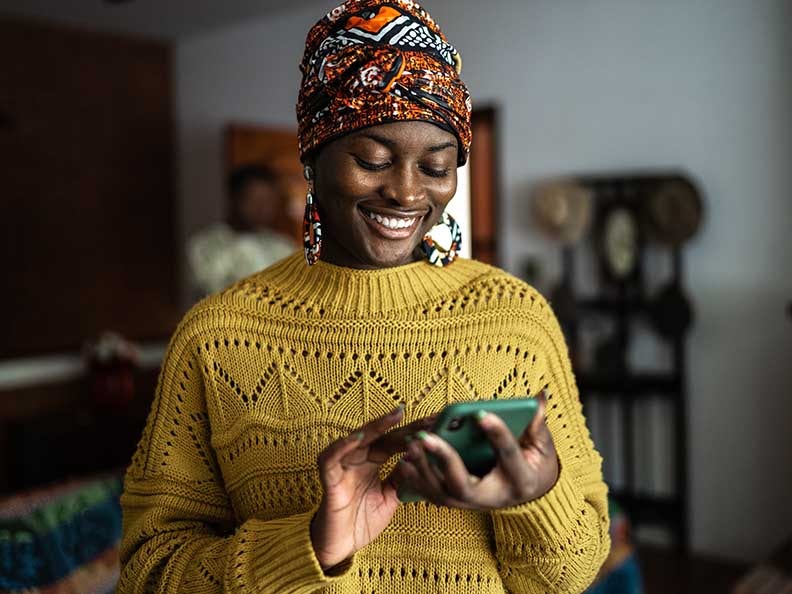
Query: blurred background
x,y
631,159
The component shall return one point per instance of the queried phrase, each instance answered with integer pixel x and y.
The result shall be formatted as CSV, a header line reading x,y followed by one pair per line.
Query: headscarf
x,y
369,62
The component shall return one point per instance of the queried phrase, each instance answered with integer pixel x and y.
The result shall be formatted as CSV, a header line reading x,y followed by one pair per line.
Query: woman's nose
x,y
404,186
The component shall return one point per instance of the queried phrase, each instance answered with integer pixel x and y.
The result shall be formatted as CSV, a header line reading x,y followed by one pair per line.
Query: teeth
x,y
391,222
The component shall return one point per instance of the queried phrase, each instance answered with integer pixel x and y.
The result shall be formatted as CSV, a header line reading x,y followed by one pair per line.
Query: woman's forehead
x,y
410,134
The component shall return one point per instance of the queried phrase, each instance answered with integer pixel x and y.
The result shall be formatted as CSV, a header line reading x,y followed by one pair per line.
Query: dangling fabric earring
x,y
443,242
312,226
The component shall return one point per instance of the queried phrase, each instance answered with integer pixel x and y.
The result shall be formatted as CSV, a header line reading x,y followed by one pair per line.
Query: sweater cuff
x,y
549,519
282,557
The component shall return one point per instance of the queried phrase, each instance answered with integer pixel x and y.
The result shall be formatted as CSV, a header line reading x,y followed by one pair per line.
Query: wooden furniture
x,y
773,574
87,196
670,572
276,149
484,186
54,432
606,374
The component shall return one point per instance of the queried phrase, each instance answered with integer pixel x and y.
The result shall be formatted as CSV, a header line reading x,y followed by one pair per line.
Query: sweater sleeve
x,y
180,533
558,542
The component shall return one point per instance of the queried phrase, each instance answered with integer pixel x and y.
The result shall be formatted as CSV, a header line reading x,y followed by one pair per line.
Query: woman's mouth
x,y
390,226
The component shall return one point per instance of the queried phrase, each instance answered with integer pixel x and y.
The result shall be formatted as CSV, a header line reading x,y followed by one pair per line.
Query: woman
x,y
269,462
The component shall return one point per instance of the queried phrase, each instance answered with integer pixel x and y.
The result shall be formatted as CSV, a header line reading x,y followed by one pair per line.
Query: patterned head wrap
x,y
369,62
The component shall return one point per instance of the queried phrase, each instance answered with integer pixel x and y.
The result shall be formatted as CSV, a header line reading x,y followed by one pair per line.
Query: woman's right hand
x,y
357,505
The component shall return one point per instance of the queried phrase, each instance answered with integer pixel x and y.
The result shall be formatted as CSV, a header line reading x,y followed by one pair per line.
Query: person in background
x,y
228,251
294,405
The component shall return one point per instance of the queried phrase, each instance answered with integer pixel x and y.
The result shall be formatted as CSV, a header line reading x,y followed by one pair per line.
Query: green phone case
x,y
458,425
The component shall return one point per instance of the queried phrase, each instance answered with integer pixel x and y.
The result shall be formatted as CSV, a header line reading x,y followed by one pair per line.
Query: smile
x,y
390,226
390,222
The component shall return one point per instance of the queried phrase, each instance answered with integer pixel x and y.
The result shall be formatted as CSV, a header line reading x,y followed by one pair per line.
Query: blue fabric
x,y
625,579
32,557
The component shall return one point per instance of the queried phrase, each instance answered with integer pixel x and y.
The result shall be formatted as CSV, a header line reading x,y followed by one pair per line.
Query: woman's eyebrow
x,y
440,147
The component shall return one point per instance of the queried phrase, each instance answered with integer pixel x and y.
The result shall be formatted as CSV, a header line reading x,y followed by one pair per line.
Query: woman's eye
x,y
371,166
436,172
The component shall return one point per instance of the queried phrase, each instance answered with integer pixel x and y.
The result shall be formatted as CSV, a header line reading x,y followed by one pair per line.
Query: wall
x,y
598,86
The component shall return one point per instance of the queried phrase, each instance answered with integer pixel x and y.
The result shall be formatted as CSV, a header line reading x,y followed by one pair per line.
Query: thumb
x,y
536,433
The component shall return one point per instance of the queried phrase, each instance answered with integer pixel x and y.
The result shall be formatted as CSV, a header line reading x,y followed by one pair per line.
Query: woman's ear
x,y
309,172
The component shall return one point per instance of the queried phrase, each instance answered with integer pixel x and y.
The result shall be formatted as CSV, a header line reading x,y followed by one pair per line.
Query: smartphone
x,y
458,425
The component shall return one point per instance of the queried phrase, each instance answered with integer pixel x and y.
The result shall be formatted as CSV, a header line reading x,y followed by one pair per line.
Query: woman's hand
x,y
357,505
526,469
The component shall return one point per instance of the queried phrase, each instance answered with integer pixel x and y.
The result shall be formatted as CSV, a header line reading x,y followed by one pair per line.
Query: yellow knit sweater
x,y
261,378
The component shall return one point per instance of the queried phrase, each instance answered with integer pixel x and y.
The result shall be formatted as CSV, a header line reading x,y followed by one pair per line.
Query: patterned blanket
x,y
62,539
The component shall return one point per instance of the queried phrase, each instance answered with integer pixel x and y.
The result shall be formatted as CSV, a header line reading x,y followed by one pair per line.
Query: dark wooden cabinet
x,y
604,373
87,193
484,186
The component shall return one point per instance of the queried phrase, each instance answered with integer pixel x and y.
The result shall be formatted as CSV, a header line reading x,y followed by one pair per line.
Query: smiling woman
x,y
295,404
381,190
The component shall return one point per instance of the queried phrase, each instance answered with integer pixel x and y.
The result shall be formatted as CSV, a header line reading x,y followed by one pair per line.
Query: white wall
x,y
603,85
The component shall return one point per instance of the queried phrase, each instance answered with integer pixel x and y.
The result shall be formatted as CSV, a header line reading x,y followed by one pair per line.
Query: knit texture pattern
x,y
260,378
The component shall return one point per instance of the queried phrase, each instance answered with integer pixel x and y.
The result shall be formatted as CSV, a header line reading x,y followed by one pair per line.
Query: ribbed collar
x,y
369,292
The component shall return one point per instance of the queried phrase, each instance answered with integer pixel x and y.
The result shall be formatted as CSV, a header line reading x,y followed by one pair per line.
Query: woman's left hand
x,y
526,469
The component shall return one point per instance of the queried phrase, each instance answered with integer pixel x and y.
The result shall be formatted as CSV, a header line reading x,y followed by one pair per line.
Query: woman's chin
x,y
385,256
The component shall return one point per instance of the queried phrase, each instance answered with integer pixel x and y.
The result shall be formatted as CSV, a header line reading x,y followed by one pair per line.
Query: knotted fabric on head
x,y
370,62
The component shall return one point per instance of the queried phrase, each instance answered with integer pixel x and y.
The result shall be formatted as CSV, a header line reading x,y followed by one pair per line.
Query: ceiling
x,y
168,19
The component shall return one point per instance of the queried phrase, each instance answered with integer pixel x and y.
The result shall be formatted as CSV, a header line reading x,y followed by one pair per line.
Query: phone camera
x,y
456,423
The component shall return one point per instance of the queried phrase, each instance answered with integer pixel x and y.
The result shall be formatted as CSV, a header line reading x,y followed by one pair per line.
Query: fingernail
x,y
481,415
358,436
422,435
396,410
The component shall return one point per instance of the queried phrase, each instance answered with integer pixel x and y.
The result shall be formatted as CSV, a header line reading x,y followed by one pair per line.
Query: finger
x,y
507,449
430,481
405,473
375,429
458,481
408,473
336,451
537,434
396,476
397,440
429,474
329,462
390,490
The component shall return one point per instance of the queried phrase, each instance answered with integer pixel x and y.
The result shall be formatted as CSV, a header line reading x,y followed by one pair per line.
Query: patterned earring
x,y
443,242
312,226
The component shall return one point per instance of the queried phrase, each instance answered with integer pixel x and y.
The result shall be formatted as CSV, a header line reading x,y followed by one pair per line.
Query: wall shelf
x,y
627,398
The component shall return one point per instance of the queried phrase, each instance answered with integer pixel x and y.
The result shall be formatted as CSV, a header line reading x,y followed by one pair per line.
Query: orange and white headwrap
x,y
370,62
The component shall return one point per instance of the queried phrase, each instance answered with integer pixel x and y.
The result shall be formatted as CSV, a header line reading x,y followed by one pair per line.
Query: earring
x,y
312,226
443,242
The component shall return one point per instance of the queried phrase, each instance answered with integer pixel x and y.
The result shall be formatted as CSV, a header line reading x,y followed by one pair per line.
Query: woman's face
x,y
380,189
